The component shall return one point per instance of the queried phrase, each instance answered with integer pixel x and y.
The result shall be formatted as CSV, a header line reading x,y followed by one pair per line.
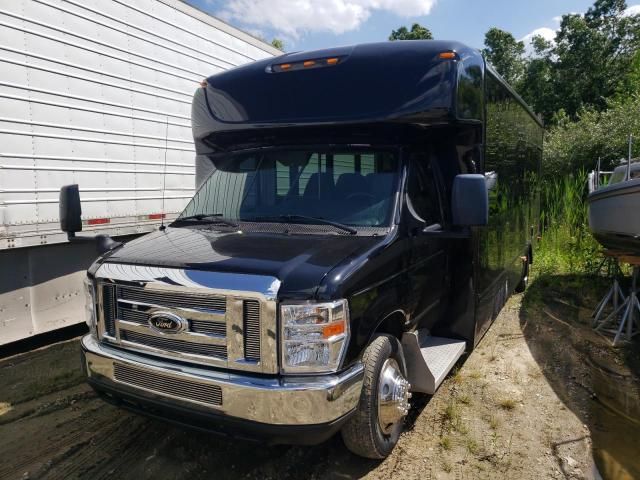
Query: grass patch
x,y
465,399
446,443
447,467
475,374
453,419
472,446
507,404
566,245
452,412
457,377
494,422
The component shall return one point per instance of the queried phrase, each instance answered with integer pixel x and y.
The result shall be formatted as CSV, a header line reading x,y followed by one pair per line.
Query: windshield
x,y
350,187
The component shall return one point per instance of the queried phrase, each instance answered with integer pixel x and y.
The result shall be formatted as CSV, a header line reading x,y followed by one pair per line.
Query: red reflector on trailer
x,y
156,216
98,221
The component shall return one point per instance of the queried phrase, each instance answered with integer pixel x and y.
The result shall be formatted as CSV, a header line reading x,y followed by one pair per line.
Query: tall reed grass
x,y
566,245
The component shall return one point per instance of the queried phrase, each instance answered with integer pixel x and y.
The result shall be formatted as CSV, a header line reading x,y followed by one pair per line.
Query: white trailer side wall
x,y
91,92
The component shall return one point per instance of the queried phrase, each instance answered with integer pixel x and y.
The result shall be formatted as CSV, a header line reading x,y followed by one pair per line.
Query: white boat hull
x,y
614,215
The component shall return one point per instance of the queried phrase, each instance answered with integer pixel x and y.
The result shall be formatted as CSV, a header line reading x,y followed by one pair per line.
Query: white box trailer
x,y
97,93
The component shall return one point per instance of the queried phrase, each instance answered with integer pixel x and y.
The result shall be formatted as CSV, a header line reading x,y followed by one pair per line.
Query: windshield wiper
x,y
307,219
210,218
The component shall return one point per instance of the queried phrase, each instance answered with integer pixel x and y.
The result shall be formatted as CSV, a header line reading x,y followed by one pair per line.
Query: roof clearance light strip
x,y
306,64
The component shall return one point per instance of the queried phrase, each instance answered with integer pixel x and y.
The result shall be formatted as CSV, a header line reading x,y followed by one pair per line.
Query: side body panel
x,y
512,159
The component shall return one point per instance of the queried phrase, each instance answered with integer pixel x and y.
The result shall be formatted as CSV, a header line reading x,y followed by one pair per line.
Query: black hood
x,y
300,262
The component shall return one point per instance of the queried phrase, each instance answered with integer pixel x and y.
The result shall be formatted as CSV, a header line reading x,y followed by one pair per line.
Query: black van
x,y
362,215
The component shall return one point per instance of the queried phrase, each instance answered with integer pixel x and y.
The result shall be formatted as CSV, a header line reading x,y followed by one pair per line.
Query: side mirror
x,y
70,210
470,200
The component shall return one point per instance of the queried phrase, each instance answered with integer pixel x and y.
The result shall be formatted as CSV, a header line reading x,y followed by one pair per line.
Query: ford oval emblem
x,y
167,322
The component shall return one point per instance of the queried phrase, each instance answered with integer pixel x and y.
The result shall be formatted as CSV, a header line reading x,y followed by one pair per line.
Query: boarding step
x,y
429,359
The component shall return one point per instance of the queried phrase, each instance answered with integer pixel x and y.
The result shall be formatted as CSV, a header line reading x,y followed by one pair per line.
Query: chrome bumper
x,y
291,401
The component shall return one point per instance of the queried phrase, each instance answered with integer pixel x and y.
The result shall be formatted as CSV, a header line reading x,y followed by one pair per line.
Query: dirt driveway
x,y
496,417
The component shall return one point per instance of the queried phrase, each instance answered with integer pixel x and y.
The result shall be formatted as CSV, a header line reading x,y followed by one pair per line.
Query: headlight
x,y
314,336
90,305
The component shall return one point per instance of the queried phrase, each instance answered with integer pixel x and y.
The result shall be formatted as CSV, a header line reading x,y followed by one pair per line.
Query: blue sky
x,y
311,24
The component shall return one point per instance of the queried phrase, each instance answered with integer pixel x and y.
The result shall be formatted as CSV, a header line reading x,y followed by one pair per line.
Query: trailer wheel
x,y
374,429
524,280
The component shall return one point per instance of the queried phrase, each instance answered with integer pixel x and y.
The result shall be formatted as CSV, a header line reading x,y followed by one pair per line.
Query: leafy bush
x,y
571,146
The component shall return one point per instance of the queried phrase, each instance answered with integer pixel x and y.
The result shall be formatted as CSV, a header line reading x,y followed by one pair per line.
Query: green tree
x,y
593,55
536,86
277,43
505,53
631,82
417,32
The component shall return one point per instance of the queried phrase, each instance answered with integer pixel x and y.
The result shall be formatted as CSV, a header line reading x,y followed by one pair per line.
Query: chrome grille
x,y
130,315
176,387
226,320
251,324
208,328
170,344
109,306
205,327
172,299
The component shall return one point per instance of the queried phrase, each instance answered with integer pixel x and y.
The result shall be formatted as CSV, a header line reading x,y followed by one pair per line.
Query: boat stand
x,y
613,296
628,325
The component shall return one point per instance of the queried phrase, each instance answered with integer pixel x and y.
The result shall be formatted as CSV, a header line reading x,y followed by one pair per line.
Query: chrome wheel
x,y
393,396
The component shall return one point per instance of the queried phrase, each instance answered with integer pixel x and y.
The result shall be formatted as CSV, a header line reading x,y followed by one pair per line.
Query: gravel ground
x,y
496,416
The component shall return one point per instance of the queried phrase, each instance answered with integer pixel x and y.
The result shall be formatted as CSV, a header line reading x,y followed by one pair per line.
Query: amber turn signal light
x,y
333,329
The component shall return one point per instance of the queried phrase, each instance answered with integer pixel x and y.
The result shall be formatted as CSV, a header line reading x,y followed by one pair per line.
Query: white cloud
x,y
557,19
293,17
632,10
547,33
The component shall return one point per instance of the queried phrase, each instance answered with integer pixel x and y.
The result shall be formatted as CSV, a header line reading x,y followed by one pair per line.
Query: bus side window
x,y
422,192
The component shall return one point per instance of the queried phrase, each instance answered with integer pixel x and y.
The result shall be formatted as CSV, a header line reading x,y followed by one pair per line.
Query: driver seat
x,y
350,183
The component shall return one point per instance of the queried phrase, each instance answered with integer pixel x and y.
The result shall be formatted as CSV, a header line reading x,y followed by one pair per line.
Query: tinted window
x,y
352,187
469,95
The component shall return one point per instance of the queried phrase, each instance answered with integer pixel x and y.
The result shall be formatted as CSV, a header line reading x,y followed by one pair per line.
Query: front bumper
x,y
247,406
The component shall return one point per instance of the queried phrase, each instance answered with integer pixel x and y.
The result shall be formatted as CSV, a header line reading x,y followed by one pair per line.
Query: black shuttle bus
x,y
362,215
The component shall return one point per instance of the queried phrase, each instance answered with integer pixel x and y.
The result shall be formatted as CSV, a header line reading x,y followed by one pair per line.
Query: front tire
x,y
374,429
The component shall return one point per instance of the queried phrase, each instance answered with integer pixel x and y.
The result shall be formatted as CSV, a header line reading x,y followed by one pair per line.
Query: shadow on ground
x,y
52,425
599,383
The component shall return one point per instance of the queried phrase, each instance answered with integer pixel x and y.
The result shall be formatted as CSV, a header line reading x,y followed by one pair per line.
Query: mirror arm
x,y
104,243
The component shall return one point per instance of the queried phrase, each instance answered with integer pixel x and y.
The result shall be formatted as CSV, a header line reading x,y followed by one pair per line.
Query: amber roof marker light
x,y
304,64
448,55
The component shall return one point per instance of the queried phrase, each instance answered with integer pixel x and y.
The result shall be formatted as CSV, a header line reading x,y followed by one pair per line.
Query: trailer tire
x,y
384,366
524,280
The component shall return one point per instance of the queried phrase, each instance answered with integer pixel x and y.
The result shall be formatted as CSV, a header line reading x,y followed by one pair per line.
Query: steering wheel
x,y
364,195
